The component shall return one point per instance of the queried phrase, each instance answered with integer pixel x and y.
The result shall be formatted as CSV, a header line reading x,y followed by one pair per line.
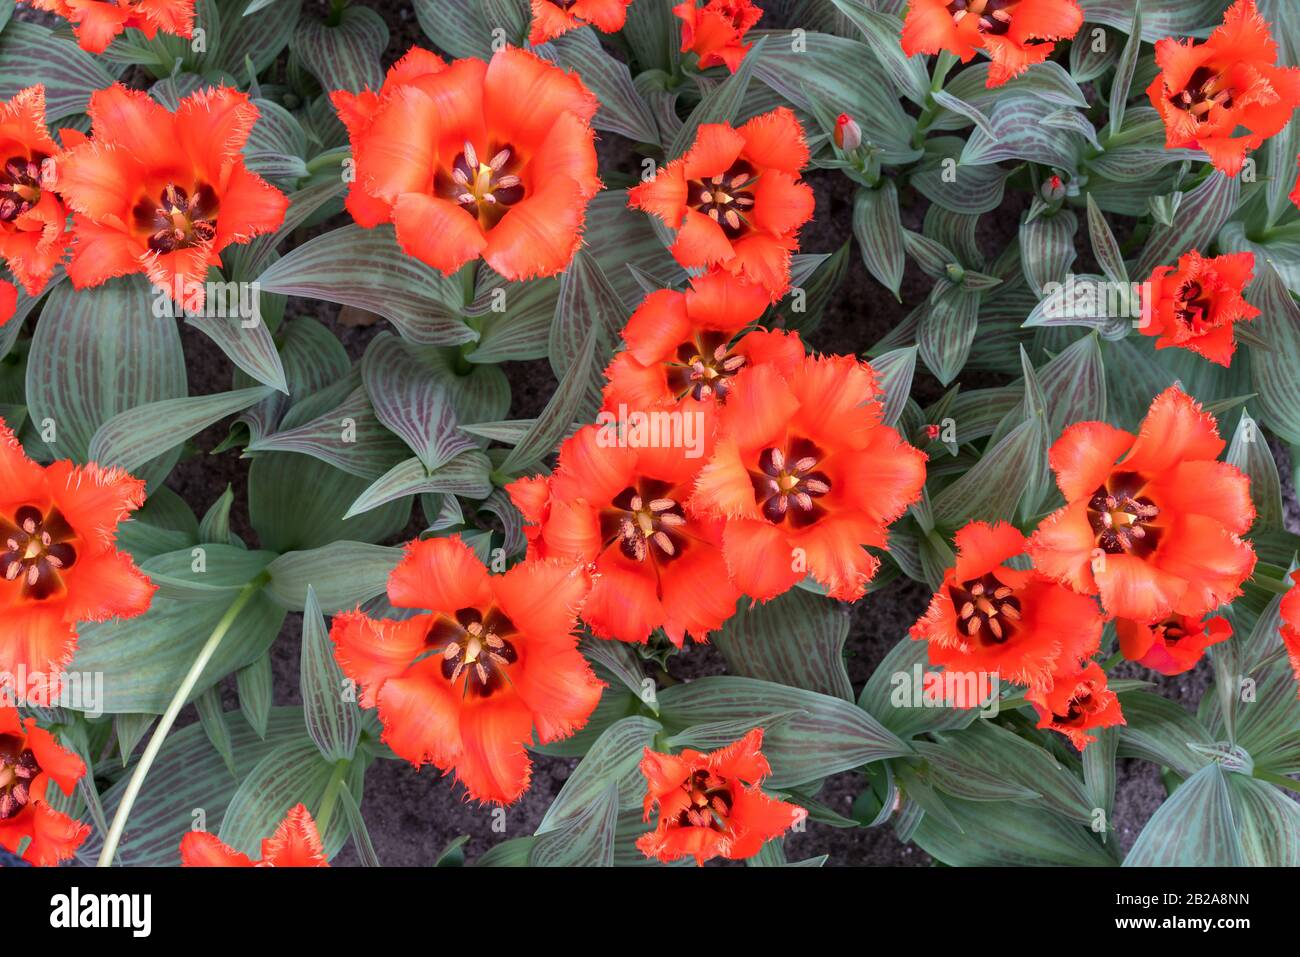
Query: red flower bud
x,y
848,135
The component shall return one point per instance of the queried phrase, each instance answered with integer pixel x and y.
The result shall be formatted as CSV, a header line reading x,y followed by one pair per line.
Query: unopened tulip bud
x,y
1054,189
848,135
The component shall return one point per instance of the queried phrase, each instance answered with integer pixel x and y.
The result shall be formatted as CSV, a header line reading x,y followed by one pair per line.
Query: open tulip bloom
x,y
647,432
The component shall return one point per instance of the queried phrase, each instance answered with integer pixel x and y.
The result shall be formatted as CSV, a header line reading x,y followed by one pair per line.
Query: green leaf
x,y
213,720
796,639
333,721
1105,249
1020,133
947,330
654,35
468,474
189,786
987,762
1119,88
1159,730
1268,823
215,526
106,353
286,520
1047,81
1002,834
344,56
343,574
1249,451
1074,385
990,491
894,694
561,410
264,29
895,370
143,659
210,572
1047,249
1099,773
1195,827
239,330
146,432
1200,216
882,31
623,663
409,398
348,436
360,835
803,307
832,735
587,304
256,693
808,68
1266,726
294,773
515,317
1090,59
509,853
879,231
622,110
1273,373
68,73
313,358
613,761
456,26
130,730
962,189
1160,19
366,268
719,734
584,840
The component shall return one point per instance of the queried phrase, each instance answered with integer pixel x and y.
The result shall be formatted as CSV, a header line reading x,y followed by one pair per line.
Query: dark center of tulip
x,y
563,4
20,186
1080,706
178,218
36,549
484,190
710,802
475,648
1205,91
704,367
1172,631
726,198
987,610
18,768
994,15
1123,518
787,483
1193,307
646,522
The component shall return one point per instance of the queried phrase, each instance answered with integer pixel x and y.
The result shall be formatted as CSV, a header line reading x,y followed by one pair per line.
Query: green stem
x,y
1113,660
331,798
931,108
1272,777
168,719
